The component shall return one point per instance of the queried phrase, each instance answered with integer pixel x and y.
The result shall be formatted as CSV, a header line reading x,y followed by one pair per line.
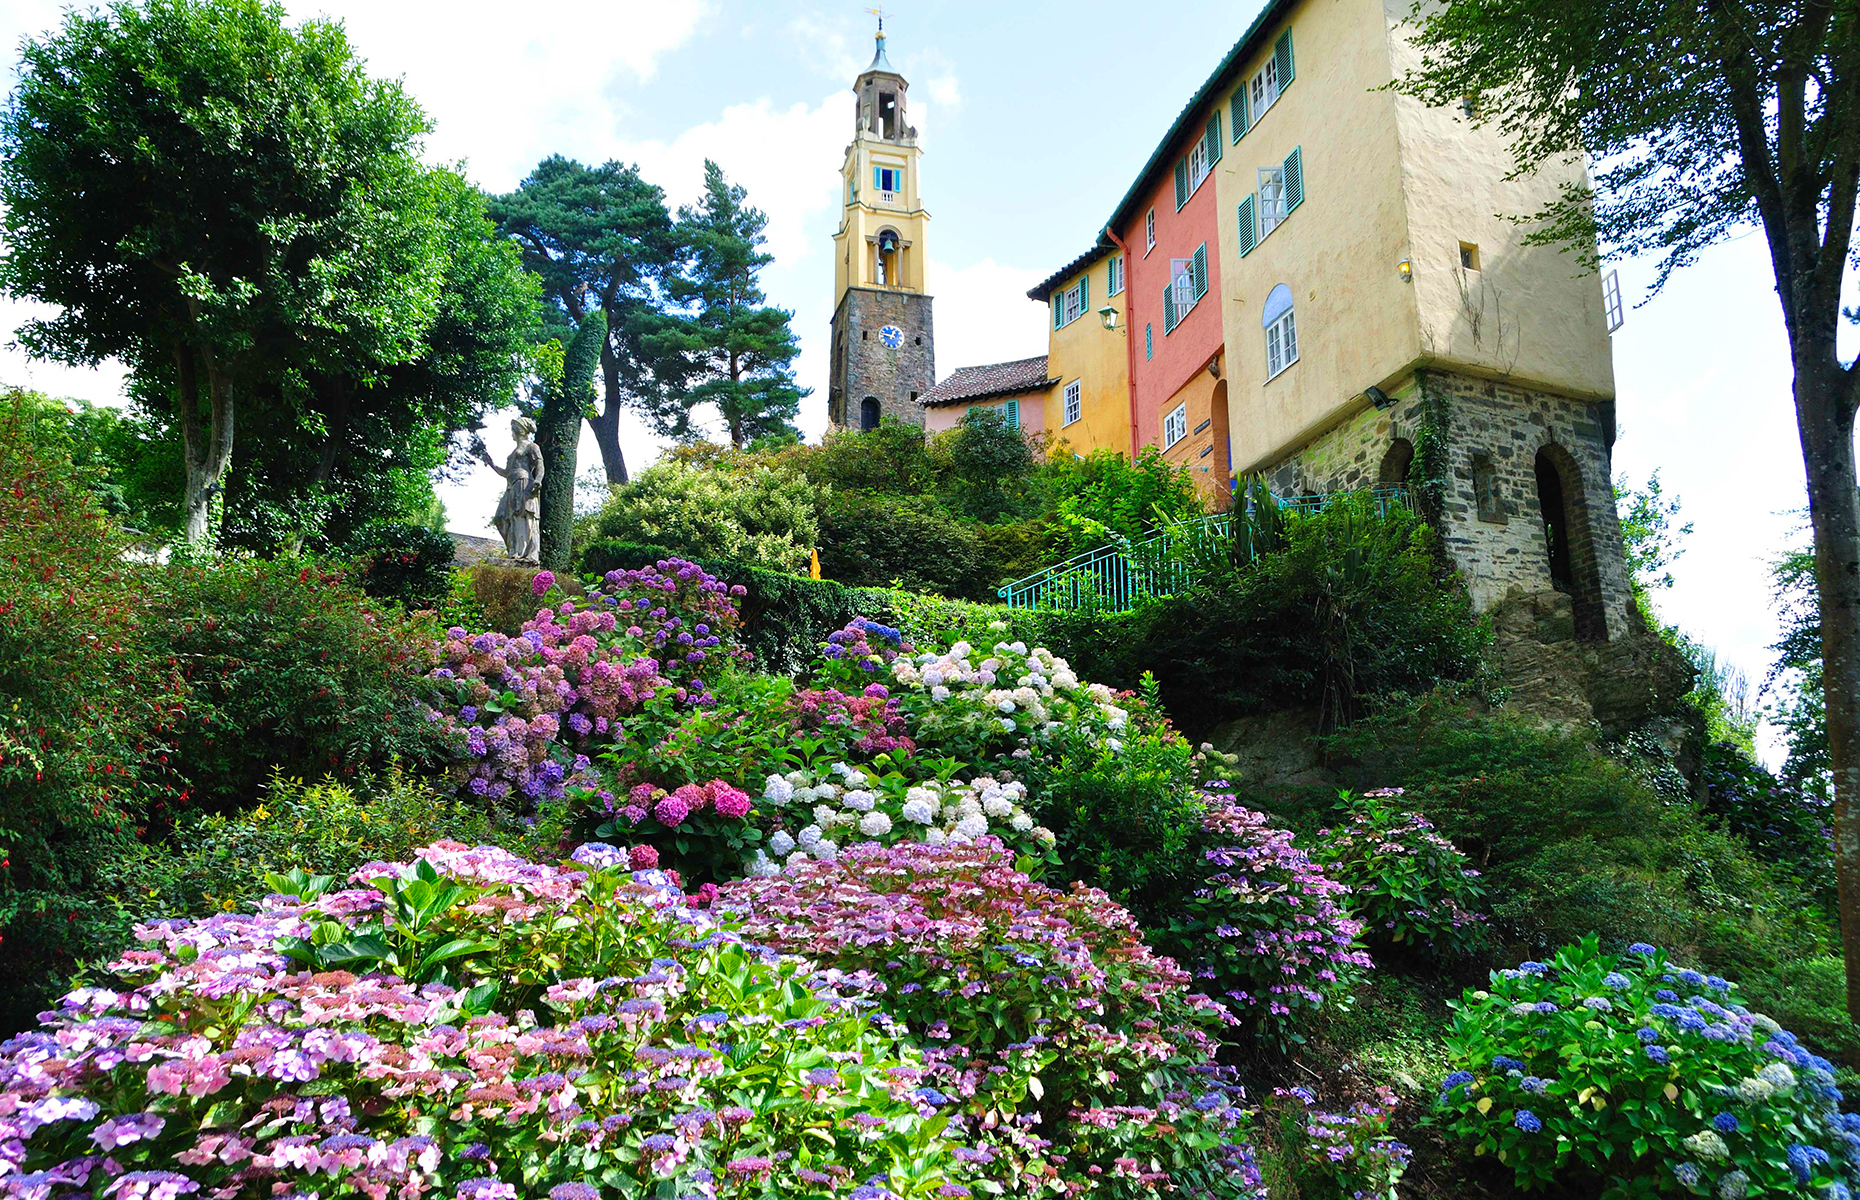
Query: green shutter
x,y
1236,112
1059,309
1294,178
1012,411
1085,292
1168,309
1282,51
1249,227
1214,137
1149,342
1201,270
1181,182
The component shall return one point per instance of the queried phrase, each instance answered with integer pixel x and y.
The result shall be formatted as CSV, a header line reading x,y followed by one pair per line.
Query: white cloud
x,y
982,314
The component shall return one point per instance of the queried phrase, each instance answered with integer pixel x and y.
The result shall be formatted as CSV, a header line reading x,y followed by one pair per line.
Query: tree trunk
x,y
205,453
606,427
558,432
1824,406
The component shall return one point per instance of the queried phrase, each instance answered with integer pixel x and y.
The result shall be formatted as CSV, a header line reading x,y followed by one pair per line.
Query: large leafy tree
x,y
218,199
599,237
1706,118
737,350
336,445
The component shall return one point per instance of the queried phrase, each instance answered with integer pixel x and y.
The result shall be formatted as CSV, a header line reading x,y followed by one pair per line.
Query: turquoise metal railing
x,y
1113,578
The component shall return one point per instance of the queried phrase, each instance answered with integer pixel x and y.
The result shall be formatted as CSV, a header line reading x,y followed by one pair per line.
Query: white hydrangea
x,y
1113,745
935,837
796,858
824,815
934,675
825,850
781,844
761,866
972,827
859,801
918,812
985,677
904,672
961,650
939,693
1021,822
875,824
1007,726
777,789
997,806
998,626
1006,706
808,837
1065,681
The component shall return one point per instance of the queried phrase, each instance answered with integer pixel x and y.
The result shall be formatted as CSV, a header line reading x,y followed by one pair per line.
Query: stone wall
x,y
864,366
1492,523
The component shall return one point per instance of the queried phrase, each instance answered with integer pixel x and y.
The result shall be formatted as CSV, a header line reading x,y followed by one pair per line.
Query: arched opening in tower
x,y
1568,541
888,259
868,413
1396,464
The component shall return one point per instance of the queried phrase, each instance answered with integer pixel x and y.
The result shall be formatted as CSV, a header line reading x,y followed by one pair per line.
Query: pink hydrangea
x,y
671,811
729,801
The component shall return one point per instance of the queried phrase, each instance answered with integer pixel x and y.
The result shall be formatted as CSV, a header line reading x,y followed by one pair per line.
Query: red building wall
x,y
1197,339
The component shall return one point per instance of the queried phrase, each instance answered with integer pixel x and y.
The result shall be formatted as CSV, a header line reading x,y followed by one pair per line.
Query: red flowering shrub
x,y
981,964
702,831
85,711
869,723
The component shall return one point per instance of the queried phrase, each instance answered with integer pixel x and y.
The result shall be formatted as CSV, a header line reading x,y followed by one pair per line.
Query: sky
x,y
1032,128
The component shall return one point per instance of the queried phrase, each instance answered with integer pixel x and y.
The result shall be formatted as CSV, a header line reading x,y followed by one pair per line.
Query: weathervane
x,y
880,14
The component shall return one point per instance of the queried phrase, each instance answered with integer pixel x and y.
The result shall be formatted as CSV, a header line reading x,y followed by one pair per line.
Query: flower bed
x,y
1409,885
1018,990
473,1026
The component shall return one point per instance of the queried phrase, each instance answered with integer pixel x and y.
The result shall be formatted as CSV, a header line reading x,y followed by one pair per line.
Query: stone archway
x,y
1569,540
868,413
1396,464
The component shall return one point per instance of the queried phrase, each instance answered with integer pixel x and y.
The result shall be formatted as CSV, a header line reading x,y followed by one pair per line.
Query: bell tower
x,y
883,351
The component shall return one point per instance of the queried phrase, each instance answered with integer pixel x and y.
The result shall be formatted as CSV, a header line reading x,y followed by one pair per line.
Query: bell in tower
x,y
883,354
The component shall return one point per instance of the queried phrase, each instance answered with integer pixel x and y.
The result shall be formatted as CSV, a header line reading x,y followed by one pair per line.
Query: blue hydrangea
x,y
1725,1122
1658,1054
1534,1085
1804,1159
1668,995
1647,1033
1615,979
1642,948
1533,968
1458,1079
1527,1121
1688,1174
1504,1063
1544,1006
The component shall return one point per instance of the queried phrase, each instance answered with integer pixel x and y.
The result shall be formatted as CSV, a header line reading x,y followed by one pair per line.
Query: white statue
x,y
519,513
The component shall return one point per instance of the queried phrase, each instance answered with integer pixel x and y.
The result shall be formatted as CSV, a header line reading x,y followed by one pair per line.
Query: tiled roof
x,y
995,379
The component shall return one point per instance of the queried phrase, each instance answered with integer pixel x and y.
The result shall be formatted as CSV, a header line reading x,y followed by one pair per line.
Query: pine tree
x,y
737,350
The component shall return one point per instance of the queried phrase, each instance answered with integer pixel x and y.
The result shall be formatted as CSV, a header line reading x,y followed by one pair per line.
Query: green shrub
x,y
408,563
893,459
1572,841
491,596
1343,606
754,514
1641,1078
1105,496
217,861
872,540
598,558
291,668
86,709
1781,823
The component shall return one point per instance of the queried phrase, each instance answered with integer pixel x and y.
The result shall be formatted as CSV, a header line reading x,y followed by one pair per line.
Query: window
x,y
1281,330
1074,405
1271,199
1175,425
868,413
1114,274
1469,256
1192,171
1611,300
1264,89
1070,305
1149,231
1188,283
1010,413
1149,342
888,179
1281,189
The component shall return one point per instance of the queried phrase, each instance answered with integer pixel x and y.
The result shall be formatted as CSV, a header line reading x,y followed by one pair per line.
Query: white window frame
x,y
1175,425
1114,275
1075,406
1198,161
1149,231
1281,343
1271,204
1262,91
1074,300
1612,312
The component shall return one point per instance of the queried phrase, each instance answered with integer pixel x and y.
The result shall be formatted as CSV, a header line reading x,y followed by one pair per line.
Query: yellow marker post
x,y
813,568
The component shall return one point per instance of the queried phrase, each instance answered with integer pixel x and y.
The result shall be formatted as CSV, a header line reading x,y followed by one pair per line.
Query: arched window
x,y
868,413
1281,328
1568,541
1396,464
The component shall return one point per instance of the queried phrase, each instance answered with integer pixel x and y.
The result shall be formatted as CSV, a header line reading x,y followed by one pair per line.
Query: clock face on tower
x,y
892,336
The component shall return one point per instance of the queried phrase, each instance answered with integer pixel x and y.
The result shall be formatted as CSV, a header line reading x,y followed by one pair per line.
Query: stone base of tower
x,y
869,379
1529,502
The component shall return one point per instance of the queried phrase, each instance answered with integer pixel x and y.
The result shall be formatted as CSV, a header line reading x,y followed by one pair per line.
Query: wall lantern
x,y
1108,315
1379,398
1405,268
